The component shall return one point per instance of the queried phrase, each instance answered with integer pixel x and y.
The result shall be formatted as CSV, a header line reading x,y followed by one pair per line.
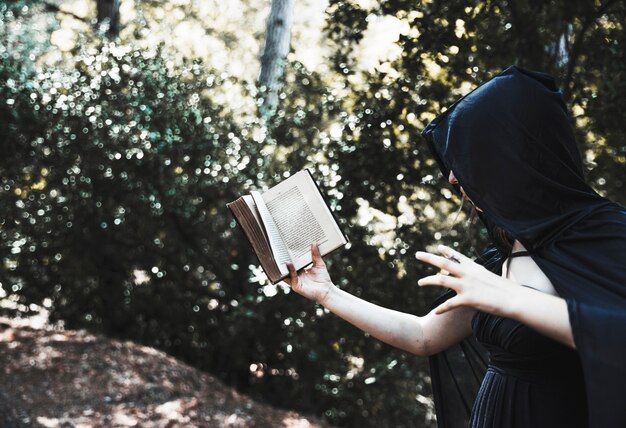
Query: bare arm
x,y
541,311
425,335
482,290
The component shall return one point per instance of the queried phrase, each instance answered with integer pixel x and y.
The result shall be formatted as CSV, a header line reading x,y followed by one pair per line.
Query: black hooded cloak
x,y
512,148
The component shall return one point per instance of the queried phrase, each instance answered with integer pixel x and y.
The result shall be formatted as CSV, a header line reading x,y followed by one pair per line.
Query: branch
x,y
50,7
188,238
577,46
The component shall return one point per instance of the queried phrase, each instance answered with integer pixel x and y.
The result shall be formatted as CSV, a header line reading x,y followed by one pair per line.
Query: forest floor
x,y
50,377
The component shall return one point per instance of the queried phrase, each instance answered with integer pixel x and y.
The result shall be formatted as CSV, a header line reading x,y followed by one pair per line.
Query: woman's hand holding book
x,y
314,282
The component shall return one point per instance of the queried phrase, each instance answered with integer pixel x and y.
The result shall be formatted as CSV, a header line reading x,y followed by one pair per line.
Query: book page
x,y
302,217
296,222
281,254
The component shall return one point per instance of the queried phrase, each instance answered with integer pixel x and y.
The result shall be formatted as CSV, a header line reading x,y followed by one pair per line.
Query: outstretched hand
x,y
314,282
474,285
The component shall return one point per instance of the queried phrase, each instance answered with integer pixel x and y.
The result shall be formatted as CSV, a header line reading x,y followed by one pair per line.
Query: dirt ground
x,y
55,378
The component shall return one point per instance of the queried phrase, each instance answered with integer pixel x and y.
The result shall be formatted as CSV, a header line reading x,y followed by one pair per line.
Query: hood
x,y
512,148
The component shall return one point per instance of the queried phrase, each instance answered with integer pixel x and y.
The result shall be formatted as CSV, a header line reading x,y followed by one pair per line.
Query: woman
x,y
551,308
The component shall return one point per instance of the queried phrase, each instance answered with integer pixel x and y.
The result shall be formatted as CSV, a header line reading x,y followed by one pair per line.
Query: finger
x,y
293,275
440,262
448,305
439,280
317,256
453,254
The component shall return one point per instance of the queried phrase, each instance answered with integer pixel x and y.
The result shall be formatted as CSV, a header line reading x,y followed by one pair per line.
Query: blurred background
x,y
127,125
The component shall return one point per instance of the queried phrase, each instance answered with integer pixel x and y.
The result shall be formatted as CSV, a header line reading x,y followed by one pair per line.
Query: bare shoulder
x,y
525,271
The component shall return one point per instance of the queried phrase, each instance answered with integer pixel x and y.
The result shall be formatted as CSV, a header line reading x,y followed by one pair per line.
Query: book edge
x,y
267,265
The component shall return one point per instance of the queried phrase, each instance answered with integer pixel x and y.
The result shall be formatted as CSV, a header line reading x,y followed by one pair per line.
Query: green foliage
x,y
115,178
461,43
118,162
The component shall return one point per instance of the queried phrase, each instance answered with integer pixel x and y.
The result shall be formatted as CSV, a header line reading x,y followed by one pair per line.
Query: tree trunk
x,y
276,48
109,16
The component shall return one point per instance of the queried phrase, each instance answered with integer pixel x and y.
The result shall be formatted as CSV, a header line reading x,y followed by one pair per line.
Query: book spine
x,y
255,236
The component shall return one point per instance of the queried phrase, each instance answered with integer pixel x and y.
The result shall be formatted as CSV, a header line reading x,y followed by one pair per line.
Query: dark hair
x,y
500,238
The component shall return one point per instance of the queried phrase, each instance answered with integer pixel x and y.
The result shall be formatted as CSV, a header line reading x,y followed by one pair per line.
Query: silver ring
x,y
454,259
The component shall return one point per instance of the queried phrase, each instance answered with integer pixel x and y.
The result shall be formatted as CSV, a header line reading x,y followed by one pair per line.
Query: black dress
x,y
511,146
531,380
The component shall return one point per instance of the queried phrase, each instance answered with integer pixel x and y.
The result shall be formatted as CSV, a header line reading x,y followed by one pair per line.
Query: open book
x,y
283,222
